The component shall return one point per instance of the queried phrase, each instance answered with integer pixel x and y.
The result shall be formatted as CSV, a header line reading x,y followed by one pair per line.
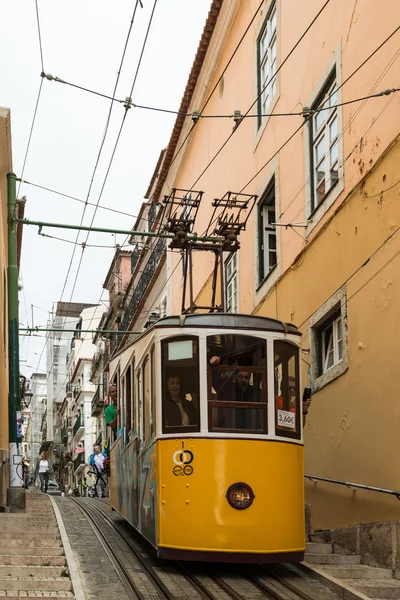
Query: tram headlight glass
x,y
240,495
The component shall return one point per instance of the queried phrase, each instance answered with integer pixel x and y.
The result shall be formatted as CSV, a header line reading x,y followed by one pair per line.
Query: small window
x,y
231,284
180,380
152,404
287,389
146,399
237,384
267,246
330,341
128,399
324,140
266,67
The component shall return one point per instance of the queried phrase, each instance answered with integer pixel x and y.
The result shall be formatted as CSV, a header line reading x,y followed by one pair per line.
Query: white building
x,y
58,347
84,432
38,387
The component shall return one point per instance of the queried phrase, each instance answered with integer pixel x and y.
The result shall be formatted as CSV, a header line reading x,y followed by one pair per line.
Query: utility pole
x,y
15,493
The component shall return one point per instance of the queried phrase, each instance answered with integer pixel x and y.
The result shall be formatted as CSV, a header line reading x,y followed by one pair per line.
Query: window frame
x,y
321,329
232,279
279,431
234,404
327,313
181,429
272,76
265,206
316,135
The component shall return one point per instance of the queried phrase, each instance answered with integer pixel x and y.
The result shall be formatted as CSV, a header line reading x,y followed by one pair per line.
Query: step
x,y
41,560
333,559
40,584
319,548
377,588
35,594
358,572
43,550
7,526
29,571
33,540
321,537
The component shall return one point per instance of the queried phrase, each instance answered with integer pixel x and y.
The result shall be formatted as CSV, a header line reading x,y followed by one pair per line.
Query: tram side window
x,y
237,383
152,404
146,399
180,383
287,391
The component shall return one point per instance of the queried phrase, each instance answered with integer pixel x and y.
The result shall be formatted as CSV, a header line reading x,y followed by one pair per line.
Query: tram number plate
x,y
286,419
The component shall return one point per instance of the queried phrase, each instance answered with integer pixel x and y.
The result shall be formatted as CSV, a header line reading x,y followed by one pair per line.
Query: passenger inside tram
x,y
237,377
178,411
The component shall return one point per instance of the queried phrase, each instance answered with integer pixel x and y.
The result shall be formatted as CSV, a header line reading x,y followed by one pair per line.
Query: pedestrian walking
x,y
96,461
44,469
84,487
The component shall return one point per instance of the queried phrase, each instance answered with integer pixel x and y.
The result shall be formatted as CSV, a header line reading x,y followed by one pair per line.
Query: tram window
x,y
138,403
146,399
180,383
287,392
152,404
237,383
128,399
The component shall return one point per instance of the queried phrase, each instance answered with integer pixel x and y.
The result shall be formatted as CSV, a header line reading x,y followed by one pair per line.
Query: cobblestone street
x,y
98,576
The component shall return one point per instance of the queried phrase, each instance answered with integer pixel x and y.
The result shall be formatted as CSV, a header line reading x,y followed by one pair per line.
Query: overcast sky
x,y
83,41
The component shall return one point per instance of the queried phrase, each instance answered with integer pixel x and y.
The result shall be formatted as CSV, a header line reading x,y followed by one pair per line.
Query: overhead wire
x,y
115,146
99,153
108,208
215,156
348,125
103,141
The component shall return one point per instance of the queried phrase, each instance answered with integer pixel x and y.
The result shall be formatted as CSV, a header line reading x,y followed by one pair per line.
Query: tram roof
x,y
227,321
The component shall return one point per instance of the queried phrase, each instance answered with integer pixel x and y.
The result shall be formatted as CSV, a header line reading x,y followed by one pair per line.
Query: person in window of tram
x,y
178,411
242,390
292,399
111,411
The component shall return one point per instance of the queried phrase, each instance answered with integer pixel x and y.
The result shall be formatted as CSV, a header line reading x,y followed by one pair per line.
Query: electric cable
x,y
108,208
115,147
103,141
261,92
347,126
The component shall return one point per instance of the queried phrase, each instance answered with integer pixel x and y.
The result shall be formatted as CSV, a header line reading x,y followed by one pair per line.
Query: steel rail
x,y
156,579
289,586
190,577
205,593
123,574
349,484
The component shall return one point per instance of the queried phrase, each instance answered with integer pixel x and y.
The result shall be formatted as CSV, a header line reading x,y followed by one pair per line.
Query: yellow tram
x,y
207,462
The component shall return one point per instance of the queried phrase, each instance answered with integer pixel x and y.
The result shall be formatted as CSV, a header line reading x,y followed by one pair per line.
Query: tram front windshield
x,y
237,383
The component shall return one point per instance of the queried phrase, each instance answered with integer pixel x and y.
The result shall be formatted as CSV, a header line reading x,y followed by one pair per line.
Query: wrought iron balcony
x,y
98,401
139,291
153,212
77,425
64,435
79,461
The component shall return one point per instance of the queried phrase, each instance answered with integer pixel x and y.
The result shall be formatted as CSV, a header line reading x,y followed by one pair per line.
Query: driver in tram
x,y
178,412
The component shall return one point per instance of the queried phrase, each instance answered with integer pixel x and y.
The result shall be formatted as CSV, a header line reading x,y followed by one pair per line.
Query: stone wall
x,y
377,543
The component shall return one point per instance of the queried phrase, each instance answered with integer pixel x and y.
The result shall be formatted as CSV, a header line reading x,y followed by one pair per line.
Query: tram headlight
x,y
240,495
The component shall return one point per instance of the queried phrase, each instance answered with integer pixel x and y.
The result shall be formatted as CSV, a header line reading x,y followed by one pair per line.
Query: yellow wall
x,y
352,429
5,167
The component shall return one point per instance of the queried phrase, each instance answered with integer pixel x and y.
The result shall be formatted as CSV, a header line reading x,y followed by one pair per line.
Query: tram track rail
x,y
205,580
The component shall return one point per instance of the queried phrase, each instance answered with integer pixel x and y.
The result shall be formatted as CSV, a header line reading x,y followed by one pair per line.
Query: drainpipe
x,y
14,401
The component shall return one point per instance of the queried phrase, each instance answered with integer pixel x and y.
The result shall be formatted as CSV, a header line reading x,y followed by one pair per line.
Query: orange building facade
x,y
321,242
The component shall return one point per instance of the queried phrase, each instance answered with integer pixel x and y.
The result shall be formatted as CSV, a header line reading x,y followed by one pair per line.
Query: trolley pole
x,y
15,497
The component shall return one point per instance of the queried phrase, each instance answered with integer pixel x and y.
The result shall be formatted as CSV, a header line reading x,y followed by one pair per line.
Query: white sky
x,y
82,43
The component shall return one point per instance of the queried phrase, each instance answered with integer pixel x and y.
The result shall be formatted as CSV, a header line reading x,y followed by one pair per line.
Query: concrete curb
x,y
73,570
339,587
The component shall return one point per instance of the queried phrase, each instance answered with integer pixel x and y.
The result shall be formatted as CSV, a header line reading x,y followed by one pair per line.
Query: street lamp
x,y
27,398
